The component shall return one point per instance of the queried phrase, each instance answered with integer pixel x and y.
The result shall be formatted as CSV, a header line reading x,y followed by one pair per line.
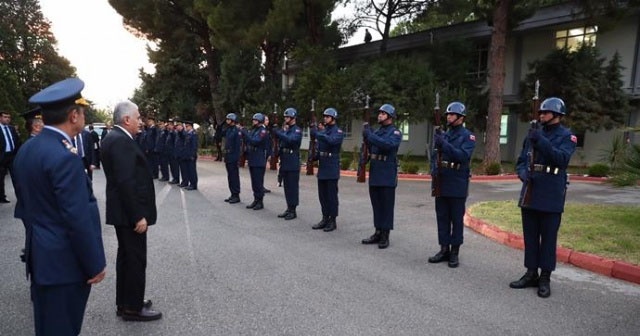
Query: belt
x,y
450,165
546,169
378,157
288,150
327,154
254,149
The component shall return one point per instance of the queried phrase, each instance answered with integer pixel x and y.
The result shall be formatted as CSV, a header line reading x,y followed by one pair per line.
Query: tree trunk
x,y
496,82
211,55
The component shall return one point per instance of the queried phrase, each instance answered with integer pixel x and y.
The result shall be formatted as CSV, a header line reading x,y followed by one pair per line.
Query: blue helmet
x,y
290,112
457,108
259,117
331,112
553,104
233,117
388,109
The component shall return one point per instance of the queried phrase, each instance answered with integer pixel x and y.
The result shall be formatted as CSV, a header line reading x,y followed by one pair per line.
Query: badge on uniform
x,y
472,137
574,138
339,131
396,132
298,130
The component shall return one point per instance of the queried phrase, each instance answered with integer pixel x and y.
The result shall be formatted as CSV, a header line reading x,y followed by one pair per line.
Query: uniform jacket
x,y
383,150
289,144
258,144
88,148
329,142
232,144
456,150
170,144
16,140
191,146
161,142
96,139
56,203
130,191
180,148
553,149
150,139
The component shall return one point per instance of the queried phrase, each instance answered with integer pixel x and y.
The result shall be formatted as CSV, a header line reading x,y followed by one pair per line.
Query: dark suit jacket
x,y
87,145
16,140
60,213
130,192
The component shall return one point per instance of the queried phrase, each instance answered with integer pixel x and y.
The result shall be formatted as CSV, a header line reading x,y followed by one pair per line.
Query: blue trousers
x,y
184,172
291,182
233,177
164,166
328,194
383,201
193,173
450,216
153,160
59,310
257,181
540,230
174,167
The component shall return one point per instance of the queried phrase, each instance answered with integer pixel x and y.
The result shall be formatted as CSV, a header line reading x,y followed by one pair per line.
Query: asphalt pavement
x,y
221,269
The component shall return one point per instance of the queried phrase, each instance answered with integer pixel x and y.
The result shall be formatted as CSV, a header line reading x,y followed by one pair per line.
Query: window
x,y
404,128
479,61
504,129
572,39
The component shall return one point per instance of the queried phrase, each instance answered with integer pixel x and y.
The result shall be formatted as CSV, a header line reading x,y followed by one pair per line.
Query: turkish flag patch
x,y
339,131
396,132
472,137
574,138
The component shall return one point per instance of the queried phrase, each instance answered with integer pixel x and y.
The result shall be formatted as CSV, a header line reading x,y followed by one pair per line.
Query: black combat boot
x,y
253,204
234,199
228,198
321,224
331,224
442,255
259,205
544,284
453,256
285,213
384,239
529,279
374,239
291,215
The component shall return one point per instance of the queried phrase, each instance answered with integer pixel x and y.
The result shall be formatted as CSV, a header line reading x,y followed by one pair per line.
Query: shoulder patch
x,y
339,130
263,131
574,138
472,137
298,130
396,132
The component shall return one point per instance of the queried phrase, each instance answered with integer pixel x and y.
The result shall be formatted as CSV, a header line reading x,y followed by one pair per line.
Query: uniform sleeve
x,y
332,139
385,143
464,152
559,155
523,161
294,138
258,137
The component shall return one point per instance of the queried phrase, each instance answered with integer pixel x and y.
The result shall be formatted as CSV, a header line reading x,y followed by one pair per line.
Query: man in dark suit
x,y
131,208
64,249
96,146
9,144
84,144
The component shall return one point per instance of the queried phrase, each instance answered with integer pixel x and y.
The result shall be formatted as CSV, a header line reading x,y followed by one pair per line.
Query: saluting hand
x,y
141,226
99,277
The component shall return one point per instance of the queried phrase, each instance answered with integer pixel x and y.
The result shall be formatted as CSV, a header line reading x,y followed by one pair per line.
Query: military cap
x,y
35,113
61,94
188,122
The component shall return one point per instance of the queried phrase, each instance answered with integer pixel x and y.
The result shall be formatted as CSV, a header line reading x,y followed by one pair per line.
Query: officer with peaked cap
x,y
33,122
550,148
64,249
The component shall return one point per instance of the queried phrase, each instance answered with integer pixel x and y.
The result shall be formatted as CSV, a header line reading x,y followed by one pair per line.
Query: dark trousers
x,y
184,172
193,173
87,167
540,231
5,167
450,216
153,160
291,181
257,181
131,265
174,166
164,166
59,310
233,177
383,200
328,194
96,154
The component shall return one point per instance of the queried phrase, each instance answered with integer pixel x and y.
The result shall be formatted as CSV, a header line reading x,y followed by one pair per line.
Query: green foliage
x,y
409,167
345,162
599,170
616,154
591,90
493,169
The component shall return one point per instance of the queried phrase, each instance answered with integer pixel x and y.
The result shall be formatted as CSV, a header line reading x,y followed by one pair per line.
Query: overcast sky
x,y
107,57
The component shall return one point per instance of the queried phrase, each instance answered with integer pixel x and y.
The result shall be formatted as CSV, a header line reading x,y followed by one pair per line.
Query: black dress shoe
x,y
191,188
544,284
321,224
145,304
529,279
266,191
144,315
234,200
258,206
284,214
173,182
442,255
374,239
291,215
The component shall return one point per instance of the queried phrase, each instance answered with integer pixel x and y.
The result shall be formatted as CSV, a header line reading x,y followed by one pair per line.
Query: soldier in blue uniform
x,y
329,141
170,148
180,151
290,139
64,249
161,149
258,143
191,155
546,179
383,173
232,145
150,140
456,147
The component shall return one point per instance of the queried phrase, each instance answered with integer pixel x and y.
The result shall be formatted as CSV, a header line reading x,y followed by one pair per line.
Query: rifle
x,y
243,146
535,106
311,153
364,148
435,188
275,155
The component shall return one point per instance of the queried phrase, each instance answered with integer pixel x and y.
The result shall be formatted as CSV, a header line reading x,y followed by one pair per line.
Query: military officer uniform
x,y
181,154
170,148
289,147
150,141
191,156
329,142
258,143
383,173
456,147
232,145
64,248
161,150
543,193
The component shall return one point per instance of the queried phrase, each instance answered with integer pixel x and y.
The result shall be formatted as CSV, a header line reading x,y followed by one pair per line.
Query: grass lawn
x,y
610,231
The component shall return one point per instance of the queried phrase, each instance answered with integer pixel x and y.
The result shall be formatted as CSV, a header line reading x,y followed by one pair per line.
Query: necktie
x,y
8,138
80,146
